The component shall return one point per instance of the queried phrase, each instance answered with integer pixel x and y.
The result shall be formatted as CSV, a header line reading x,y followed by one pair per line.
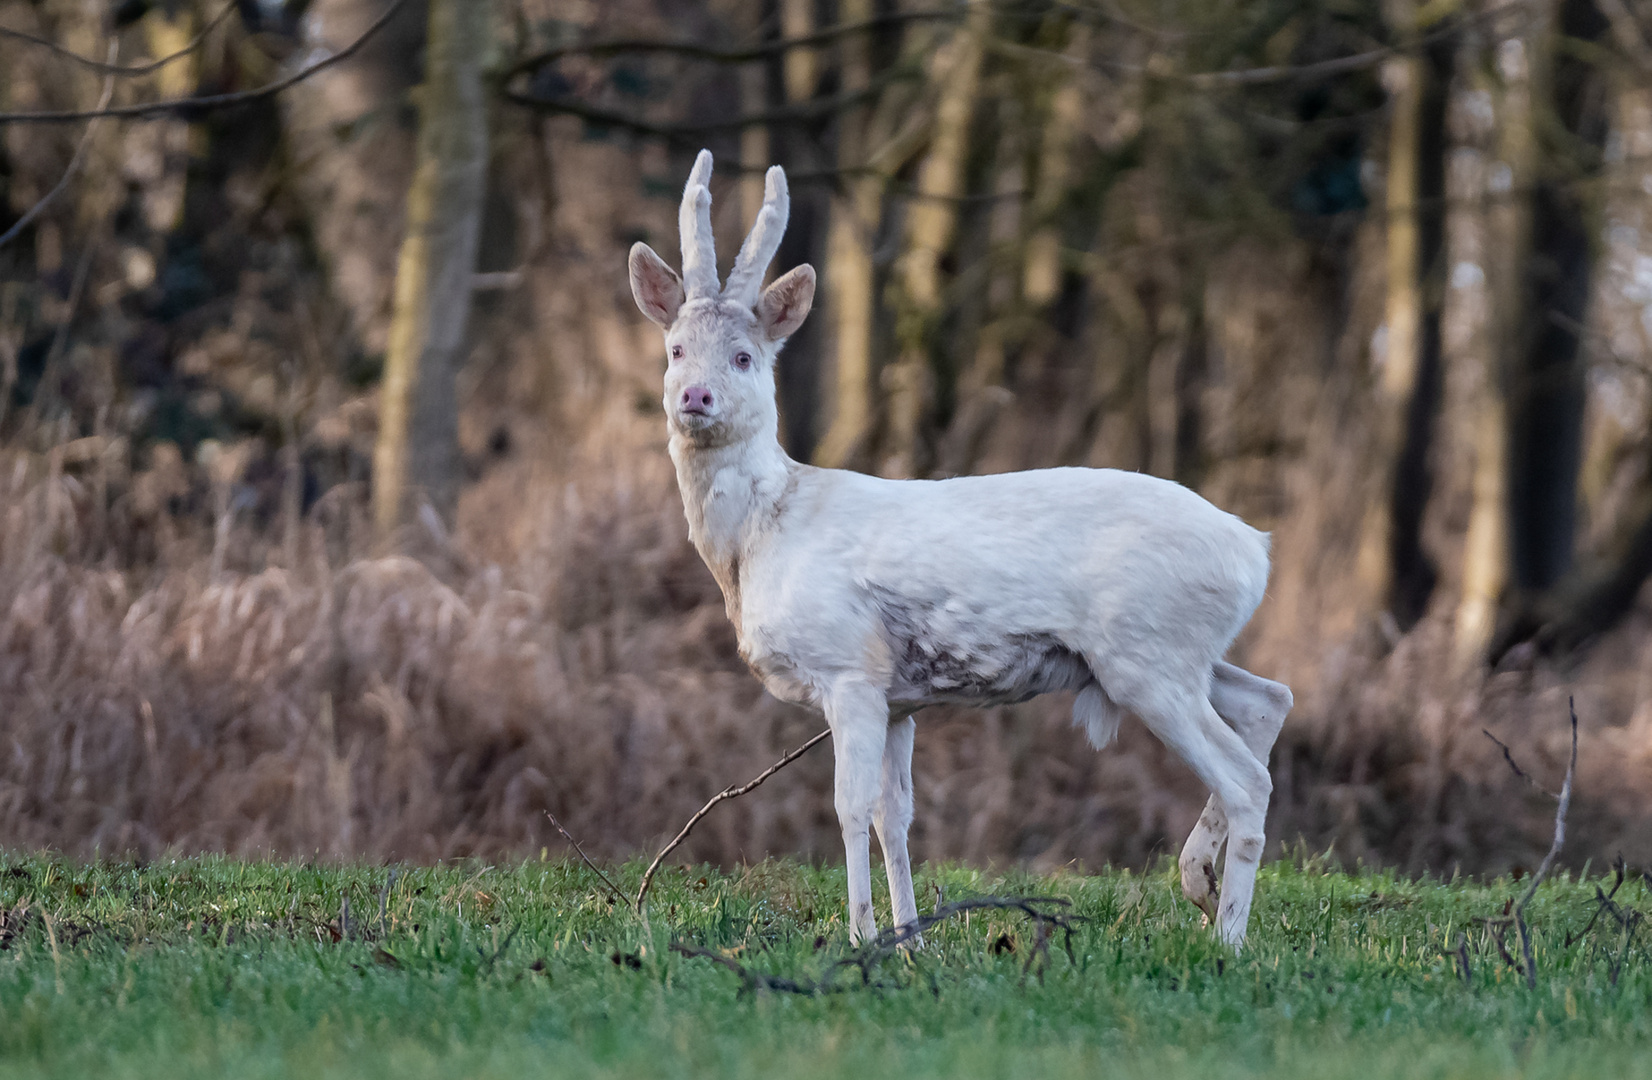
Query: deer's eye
x,y
742,360
676,352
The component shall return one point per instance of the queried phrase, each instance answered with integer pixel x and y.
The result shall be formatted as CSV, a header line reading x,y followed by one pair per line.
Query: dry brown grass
x,y
568,651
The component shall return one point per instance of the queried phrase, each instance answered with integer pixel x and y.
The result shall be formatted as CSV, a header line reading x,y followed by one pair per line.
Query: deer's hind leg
x,y
1255,708
1178,711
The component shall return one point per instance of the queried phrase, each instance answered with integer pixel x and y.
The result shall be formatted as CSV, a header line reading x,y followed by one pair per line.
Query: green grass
x,y
212,967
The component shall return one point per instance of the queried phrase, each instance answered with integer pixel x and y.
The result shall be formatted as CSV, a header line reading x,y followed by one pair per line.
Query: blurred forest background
x,y
335,515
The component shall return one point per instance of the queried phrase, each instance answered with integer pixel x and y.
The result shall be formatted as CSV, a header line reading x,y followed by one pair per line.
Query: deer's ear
x,y
656,287
785,304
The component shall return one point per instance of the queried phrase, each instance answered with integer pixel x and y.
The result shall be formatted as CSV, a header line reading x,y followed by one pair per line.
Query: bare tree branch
x,y
730,792
686,133
803,111
74,161
614,893
109,66
694,50
188,108
1260,76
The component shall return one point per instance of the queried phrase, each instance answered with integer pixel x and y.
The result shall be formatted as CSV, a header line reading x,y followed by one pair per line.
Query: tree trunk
x,y
417,456
755,156
1468,515
1546,397
931,221
353,183
799,73
1392,572
1614,478
1041,278
794,81
850,275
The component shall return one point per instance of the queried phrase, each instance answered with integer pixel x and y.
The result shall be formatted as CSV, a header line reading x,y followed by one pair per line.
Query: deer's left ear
x,y
785,304
655,286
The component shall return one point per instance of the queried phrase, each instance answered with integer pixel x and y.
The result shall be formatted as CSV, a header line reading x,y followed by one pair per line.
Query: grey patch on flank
x,y
984,670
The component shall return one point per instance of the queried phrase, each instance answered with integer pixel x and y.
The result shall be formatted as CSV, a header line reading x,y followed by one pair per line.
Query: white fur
x,y
868,598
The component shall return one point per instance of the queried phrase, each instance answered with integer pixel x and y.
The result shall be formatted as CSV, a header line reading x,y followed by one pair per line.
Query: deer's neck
x,y
731,495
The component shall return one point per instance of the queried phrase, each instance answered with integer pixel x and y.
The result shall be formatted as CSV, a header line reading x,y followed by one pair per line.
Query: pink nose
x,y
696,399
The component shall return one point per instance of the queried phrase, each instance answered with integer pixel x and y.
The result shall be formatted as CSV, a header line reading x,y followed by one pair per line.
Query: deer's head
x,y
721,341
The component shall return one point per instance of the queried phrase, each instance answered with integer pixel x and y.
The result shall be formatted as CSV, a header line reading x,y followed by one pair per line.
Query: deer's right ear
x,y
657,288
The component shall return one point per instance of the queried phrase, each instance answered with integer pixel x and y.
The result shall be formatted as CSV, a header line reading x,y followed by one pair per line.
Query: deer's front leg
x,y
859,717
894,818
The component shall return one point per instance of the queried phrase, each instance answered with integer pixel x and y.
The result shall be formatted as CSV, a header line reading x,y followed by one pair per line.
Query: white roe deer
x,y
868,599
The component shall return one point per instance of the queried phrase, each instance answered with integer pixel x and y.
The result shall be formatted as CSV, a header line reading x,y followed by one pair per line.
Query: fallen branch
x,y
1460,954
730,792
866,958
1516,916
753,981
1548,860
188,108
1603,902
1629,920
614,893
1498,931
1033,907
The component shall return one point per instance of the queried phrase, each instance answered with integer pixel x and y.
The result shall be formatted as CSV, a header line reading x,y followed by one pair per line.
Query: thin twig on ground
x,y
1548,860
1498,931
190,107
489,960
1516,915
1033,907
730,792
1043,911
74,161
753,981
1459,953
1603,901
614,893
1628,919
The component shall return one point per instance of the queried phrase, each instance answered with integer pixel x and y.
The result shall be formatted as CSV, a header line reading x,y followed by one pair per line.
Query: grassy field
x,y
212,967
